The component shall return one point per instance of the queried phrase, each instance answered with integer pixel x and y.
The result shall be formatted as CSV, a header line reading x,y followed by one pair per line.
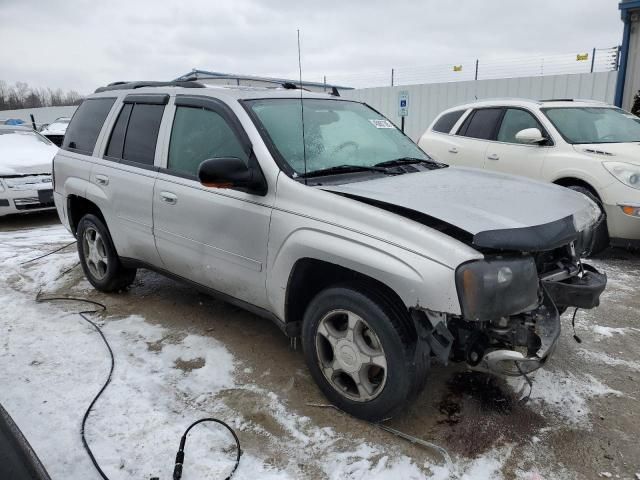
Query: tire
x,y
98,256
601,235
374,346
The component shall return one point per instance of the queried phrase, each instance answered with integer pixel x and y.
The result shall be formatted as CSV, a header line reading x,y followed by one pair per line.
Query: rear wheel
x,y
359,353
601,235
99,258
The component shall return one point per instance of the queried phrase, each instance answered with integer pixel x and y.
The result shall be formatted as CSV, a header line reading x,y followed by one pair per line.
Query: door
x,y
127,174
471,141
214,236
438,142
508,154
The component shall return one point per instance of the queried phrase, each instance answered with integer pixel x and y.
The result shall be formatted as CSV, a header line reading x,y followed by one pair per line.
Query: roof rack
x,y
197,75
141,84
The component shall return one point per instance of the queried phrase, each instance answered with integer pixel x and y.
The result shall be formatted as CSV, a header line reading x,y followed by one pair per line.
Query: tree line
x,y
21,95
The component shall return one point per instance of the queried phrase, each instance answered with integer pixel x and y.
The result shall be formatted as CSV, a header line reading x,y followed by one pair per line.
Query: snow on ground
x,y
52,363
562,393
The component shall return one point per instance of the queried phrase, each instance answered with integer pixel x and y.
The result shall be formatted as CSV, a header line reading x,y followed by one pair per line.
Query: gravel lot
x,y
181,355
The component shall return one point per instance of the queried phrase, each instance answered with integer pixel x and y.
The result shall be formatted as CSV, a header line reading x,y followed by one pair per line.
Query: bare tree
x,y
20,95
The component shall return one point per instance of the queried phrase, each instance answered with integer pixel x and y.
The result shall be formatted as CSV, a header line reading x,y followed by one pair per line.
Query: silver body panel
x,y
246,246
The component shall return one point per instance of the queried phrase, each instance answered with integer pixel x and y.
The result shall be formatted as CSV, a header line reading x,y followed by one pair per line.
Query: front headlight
x,y
493,288
627,173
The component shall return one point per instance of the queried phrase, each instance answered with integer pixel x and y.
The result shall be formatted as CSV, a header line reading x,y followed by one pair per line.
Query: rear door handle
x,y
453,150
102,179
169,198
493,156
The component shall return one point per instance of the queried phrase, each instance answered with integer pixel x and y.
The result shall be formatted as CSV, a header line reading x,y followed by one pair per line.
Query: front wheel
x,y
98,256
360,353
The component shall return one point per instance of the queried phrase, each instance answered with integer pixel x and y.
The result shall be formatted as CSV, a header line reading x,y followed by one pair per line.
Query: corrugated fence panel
x,y
41,114
426,101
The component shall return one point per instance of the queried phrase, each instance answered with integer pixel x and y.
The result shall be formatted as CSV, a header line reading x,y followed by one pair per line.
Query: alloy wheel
x,y
351,356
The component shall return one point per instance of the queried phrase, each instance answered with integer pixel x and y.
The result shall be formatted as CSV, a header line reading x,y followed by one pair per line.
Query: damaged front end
x,y
511,307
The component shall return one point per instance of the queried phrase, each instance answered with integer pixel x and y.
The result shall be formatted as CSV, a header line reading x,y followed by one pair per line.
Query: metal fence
x,y
587,61
426,101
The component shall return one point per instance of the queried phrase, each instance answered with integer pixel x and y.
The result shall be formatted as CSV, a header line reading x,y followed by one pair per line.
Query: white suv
x,y
588,146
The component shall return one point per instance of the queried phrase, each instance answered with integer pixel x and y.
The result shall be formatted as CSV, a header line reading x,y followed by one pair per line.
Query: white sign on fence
x,y
403,103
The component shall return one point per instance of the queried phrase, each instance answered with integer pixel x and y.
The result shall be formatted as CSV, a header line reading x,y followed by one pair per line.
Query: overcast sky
x,y
82,44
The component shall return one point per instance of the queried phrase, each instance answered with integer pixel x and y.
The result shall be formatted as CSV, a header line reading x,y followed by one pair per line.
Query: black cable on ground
x,y
49,253
83,314
177,473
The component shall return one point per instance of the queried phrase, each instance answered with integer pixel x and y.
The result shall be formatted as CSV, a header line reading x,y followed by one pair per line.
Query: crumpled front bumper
x,y
579,291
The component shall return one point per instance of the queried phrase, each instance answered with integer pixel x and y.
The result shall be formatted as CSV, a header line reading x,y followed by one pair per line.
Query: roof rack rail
x,y
141,84
204,75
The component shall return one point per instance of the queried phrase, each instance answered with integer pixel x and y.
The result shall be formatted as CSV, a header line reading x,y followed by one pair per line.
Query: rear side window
x,y
446,122
142,133
482,124
116,142
135,133
197,135
83,131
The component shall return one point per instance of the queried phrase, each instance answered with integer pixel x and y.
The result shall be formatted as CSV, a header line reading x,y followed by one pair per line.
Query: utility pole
x,y
476,77
392,77
593,59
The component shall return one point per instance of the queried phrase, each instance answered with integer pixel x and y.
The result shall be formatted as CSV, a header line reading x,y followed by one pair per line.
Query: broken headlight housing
x,y
497,287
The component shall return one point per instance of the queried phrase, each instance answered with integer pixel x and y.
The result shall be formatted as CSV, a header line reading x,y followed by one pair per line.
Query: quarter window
x,y
446,122
86,124
513,121
197,135
481,124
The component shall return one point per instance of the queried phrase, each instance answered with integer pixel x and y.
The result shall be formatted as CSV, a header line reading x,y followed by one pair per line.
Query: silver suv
x,y
319,214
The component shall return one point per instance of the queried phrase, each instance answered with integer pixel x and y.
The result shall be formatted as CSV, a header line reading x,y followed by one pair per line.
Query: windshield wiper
x,y
410,160
344,169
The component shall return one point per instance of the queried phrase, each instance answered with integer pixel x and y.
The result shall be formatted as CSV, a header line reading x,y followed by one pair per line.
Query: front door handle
x,y
493,156
102,179
453,150
169,198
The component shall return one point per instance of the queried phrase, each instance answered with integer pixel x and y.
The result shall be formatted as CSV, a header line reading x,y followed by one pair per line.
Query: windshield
x,y
594,124
336,133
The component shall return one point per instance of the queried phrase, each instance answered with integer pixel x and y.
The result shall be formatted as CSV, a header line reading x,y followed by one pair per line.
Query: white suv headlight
x,y
627,173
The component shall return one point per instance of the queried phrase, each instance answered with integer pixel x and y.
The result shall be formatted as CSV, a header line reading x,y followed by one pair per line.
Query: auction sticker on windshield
x,y
381,123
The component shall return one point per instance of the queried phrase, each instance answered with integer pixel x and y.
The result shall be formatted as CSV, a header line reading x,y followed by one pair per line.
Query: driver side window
x,y
197,135
513,121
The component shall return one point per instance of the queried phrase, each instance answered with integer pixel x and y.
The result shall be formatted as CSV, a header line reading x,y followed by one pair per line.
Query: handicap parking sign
x,y
403,103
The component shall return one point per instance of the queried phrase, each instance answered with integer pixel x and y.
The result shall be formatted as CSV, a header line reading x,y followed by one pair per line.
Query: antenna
x,y
304,146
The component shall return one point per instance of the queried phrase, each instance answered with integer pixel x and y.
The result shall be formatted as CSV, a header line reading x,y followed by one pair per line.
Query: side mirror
x,y
229,172
530,135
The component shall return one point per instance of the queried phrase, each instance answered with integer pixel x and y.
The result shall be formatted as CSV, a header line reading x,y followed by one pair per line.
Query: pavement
x,y
582,419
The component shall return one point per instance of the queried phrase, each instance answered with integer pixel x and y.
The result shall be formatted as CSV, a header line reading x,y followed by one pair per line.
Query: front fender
x,y
418,281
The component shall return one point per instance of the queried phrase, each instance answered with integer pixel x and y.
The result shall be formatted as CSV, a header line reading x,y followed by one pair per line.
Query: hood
x,y
55,129
618,152
498,210
24,153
